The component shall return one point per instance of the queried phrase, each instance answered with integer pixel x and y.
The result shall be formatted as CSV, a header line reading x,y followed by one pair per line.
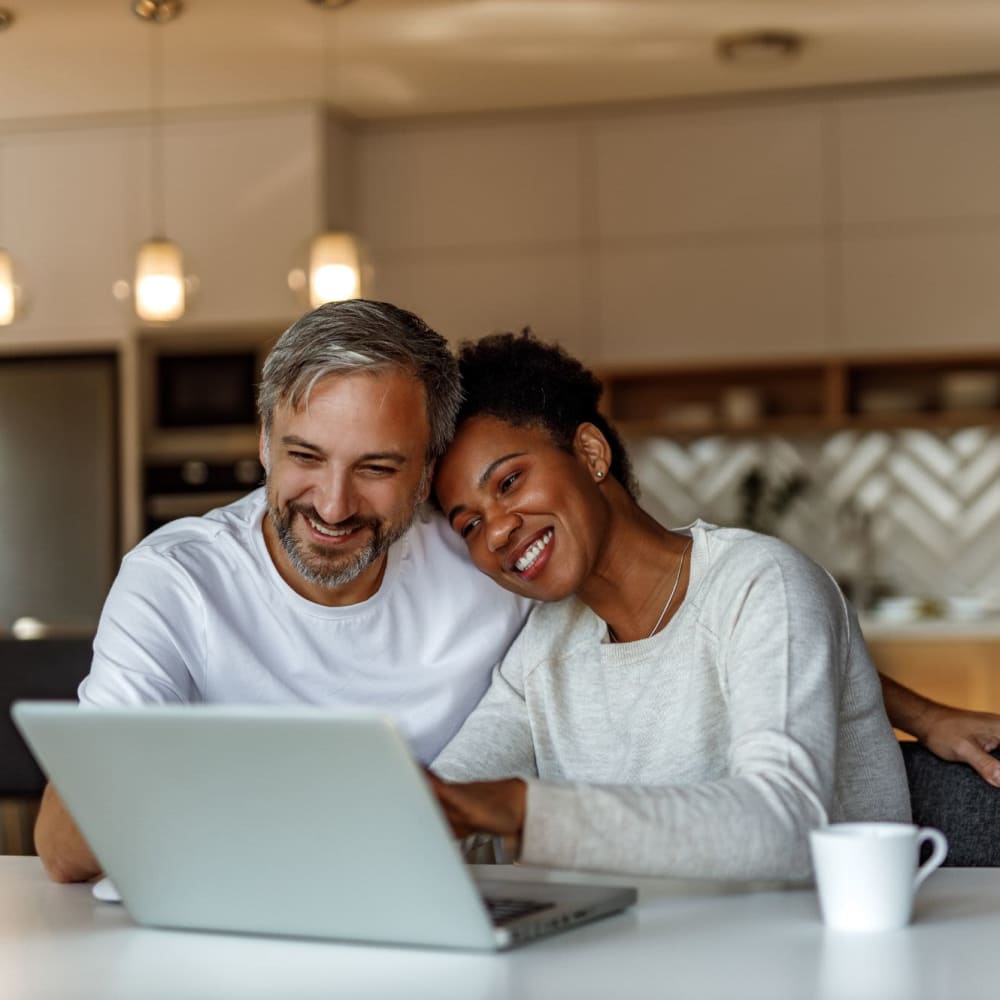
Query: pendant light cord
x,y
156,127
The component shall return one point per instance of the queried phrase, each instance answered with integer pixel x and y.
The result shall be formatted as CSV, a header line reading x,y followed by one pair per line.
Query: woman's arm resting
x,y
951,733
59,843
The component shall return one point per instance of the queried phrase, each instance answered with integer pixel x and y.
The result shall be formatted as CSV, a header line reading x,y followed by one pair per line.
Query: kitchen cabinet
x,y
243,194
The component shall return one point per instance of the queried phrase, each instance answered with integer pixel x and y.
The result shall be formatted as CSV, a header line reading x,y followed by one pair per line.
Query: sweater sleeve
x,y
780,638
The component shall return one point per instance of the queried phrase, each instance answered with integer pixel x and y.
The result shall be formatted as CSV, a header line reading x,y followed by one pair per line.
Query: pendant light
x,y
159,265
8,290
334,255
7,296
334,268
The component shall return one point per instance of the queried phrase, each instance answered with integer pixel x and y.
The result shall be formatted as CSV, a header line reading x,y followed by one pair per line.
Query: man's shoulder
x,y
440,564
430,539
202,537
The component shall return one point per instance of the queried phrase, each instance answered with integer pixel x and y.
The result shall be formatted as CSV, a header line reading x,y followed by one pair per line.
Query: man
x,y
326,587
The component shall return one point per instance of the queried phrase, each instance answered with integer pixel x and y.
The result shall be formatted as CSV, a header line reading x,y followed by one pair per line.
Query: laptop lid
x,y
295,821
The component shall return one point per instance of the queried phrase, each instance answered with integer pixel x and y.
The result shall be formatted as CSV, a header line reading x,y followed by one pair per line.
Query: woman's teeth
x,y
331,532
528,559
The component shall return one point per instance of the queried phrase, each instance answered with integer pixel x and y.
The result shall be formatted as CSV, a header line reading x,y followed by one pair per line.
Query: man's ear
x,y
592,448
264,449
427,481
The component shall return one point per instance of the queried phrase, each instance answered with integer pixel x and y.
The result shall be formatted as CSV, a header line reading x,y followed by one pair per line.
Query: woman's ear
x,y
592,448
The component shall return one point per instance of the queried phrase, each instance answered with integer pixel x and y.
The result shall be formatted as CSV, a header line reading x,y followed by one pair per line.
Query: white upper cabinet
x,y
242,196
920,157
920,210
707,171
70,199
466,186
479,227
710,234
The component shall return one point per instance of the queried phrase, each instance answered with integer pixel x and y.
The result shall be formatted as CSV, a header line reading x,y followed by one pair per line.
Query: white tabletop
x,y
684,939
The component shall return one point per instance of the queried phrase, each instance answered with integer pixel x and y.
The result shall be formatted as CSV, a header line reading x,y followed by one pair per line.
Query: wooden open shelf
x,y
803,396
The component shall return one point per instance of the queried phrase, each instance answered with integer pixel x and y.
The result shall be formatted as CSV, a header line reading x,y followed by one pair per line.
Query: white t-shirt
x,y
199,613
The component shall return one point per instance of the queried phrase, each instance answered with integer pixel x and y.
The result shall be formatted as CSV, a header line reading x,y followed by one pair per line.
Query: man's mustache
x,y
348,524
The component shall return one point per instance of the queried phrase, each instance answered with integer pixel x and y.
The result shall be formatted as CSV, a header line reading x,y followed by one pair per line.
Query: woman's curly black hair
x,y
527,383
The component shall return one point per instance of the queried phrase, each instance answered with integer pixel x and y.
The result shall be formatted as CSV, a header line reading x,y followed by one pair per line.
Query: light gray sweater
x,y
709,750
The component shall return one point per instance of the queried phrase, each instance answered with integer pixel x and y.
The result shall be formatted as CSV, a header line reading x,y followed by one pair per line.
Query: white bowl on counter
x,y
897,610
965,609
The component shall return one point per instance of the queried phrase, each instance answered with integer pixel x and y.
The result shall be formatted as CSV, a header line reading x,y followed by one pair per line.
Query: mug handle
x,y
927,834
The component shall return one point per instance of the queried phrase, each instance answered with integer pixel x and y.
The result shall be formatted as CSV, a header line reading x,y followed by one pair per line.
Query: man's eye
x,y
303,456
508,481
379,470
469,527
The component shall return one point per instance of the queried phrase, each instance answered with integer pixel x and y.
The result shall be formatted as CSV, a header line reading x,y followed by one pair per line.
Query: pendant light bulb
x,y
7,296
334,268
159,281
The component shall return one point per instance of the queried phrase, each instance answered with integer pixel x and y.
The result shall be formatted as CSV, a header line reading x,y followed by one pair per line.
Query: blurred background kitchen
x,y
773,226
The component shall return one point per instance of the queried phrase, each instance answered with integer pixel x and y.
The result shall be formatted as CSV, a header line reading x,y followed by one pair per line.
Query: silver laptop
x,y
282,821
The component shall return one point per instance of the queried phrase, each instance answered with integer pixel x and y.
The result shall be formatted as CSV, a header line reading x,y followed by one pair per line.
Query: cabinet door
x,y
711,234
920,208
69,203
244,196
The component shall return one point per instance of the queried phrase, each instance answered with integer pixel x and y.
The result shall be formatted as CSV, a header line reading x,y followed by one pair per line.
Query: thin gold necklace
x,y
670,599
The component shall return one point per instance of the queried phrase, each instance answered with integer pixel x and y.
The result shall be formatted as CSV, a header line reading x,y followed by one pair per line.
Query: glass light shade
x,y
6,289
334,268
159,281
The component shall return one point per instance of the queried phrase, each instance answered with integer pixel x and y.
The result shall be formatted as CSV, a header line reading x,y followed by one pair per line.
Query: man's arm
x,y
951,733
59,843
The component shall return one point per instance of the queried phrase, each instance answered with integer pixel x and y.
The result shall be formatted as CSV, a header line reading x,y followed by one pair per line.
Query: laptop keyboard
x,y
503,911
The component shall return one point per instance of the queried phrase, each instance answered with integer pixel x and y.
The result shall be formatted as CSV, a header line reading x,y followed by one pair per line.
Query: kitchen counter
x,y
877,628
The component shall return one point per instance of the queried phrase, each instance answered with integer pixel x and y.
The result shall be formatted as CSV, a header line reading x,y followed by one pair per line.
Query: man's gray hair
x,y
362,336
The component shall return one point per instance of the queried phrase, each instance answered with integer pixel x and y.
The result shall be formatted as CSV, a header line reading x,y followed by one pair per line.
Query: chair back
x,y
36,669
953,798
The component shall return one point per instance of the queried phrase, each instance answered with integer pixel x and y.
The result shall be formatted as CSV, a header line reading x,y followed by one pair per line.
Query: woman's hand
x,y
954,734
482,806
951,733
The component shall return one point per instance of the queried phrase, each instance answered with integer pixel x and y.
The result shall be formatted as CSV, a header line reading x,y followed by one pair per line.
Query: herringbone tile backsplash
x,y
907,511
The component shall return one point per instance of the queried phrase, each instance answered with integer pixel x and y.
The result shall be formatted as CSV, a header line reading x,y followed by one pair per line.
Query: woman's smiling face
x,y
531,513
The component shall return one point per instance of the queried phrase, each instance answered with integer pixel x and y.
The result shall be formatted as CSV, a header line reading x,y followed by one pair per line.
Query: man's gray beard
x,y
338,575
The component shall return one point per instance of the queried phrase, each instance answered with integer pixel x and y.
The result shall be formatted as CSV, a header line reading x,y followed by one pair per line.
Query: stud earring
x,y
599,474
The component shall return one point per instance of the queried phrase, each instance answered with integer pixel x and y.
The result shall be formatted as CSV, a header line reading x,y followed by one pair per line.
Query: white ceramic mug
x,y
867,874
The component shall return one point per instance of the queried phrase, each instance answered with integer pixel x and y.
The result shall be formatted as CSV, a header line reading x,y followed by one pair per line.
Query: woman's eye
x,y
508,481
468,527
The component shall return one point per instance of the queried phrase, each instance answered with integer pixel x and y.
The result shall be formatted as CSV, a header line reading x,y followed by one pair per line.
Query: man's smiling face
x,y
345,473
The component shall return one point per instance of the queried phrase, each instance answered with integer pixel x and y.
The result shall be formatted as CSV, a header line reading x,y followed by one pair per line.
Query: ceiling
x,y
400,58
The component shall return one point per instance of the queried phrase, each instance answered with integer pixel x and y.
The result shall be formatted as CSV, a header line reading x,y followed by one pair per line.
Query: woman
x,y
685,702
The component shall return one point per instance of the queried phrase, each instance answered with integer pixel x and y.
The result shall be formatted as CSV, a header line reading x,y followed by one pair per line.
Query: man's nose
x,y
499,527
335,498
